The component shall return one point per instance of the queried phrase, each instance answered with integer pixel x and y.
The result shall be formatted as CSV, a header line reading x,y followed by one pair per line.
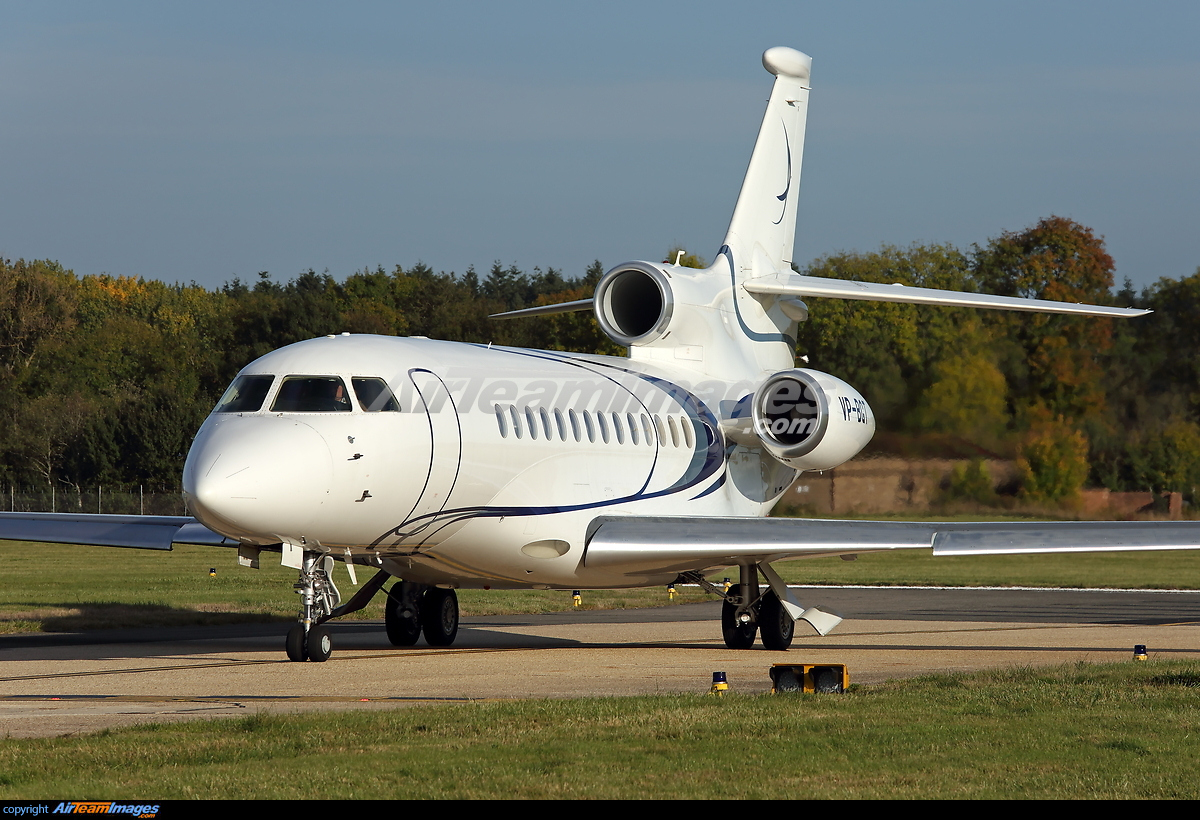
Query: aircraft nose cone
x,y
262,479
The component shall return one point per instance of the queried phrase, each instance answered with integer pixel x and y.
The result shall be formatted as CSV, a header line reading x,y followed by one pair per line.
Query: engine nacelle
x,y
634,303
810,420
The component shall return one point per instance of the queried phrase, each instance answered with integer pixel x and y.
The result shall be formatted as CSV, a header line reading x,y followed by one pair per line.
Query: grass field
x,y
1125,730
1117,731
61,588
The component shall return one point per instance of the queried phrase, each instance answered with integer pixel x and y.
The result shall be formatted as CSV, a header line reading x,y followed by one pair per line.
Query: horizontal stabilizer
x,y
793,284
545,310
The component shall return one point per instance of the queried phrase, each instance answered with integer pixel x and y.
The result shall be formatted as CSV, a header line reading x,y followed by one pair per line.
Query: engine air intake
x,y
810,420
633,303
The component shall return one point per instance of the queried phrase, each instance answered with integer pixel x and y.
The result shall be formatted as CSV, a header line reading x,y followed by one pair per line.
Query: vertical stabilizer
x,y
763,228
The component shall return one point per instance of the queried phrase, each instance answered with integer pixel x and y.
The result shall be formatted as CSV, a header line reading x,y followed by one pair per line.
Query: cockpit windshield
x,y
312,394
374,395
245,395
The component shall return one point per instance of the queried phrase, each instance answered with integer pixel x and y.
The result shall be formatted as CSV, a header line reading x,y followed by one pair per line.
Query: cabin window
x,y
591,431
532,423
516,420
575,431
501,422
662,432
312,394
674,431
689,433
603,427
546,423
374,395
647,430
245,395
618,428
561,425
633,431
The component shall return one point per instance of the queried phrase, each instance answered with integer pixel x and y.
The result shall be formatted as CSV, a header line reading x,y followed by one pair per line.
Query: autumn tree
x,y
892,353
1051,361
1052,460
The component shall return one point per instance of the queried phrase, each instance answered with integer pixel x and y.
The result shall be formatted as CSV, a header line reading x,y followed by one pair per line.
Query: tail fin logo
x,y
783,197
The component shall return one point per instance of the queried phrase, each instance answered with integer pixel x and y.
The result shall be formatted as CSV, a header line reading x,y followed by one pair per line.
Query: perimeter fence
x,y
106,499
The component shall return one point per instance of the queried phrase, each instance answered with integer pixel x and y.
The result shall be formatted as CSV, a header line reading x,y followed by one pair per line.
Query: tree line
x,y
104,379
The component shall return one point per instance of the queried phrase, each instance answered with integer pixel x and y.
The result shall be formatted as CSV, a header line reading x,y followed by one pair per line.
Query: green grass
x,y
54,588
1114,731
62,588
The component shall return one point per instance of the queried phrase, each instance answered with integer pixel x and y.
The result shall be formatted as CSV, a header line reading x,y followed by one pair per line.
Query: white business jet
x,y
447,465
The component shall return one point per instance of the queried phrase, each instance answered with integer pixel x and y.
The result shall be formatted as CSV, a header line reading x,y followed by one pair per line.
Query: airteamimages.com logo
x,y
83,807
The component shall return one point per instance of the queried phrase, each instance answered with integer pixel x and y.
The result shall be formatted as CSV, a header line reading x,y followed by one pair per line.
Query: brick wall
x,y
881,485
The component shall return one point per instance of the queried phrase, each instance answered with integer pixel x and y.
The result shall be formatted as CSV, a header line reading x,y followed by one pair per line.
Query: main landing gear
x,y
769,613
415,608
748,610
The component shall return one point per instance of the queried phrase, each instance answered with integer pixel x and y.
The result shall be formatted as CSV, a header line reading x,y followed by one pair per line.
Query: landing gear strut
x,y
748,610
319,597
772,613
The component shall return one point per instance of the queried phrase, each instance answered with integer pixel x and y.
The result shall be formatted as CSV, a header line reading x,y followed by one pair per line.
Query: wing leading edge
x,y
146,532
638,545
794,284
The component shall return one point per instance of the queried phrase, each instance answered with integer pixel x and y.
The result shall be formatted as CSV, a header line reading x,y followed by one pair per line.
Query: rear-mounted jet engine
x,y
810,420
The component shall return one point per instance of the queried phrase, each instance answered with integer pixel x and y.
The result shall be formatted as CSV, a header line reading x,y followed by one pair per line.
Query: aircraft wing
x,y
794,284
147,532
638,545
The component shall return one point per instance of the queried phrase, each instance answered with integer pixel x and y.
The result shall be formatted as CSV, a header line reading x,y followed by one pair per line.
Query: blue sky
x,y
207,141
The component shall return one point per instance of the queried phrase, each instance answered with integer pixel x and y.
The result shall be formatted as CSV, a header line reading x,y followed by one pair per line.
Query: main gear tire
x,y
403,624
775,624
737,635
439,616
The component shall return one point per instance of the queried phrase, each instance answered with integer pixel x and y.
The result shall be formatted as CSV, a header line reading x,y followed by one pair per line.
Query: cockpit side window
x,y
312,394
374,395
245,395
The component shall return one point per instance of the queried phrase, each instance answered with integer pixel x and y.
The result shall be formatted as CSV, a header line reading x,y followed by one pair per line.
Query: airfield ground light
x,y
809,677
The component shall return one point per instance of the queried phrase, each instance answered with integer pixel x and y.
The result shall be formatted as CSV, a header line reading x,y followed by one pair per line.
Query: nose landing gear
x,y
319,597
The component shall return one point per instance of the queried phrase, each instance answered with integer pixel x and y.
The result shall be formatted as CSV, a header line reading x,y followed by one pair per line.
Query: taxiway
x,y
55,684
